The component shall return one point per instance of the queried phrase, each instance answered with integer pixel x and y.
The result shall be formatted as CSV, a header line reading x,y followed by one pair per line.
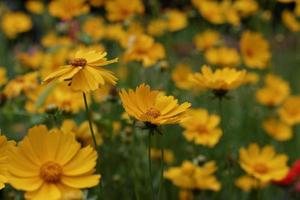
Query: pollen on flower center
x,y
78,62
261,168
51,172
152,112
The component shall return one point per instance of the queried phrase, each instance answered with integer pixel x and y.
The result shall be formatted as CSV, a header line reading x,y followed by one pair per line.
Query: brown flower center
x,y
261,168
152,112
78,62
51,172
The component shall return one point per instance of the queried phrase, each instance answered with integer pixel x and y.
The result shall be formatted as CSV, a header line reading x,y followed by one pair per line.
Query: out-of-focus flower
x,y
153,107
278,130
115,32
31,59
85,72
222,56
248,183
13,23
157,27
35,6
180,76
49,164
290,21
263,163
210,10
246,7
66,10
202,128
81,132
192,177
255,50
143,48
176,20
275,91
5,147
289,112
51,40
3,78
206,39
251,78
94,28
121,10
168,155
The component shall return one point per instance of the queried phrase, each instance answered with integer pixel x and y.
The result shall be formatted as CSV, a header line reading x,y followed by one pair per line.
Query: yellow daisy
x,y
85,72
49,164
4,148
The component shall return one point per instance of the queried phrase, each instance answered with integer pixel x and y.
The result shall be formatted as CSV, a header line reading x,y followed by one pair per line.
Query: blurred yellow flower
x,y
94,28
255,50
168,155
51,40
275,91
81,132
35,6
157,27
48,164
85,71
246,7
290,21
13,23
210,10
193,177
263,163
176,20
121,10
153,107
5,147
115,32
31,59
289,112
180,76
3,78
248,183
206,39
278,130
251,78
222,56
66,10
202,128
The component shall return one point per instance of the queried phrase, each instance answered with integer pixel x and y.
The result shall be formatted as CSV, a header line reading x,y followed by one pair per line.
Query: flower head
x,y
47,165
289,112
152,106
85,71
277,129
5,147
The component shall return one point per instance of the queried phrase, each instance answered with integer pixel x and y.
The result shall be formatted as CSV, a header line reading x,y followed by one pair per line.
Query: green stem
x,y
90,121
161,181
149,162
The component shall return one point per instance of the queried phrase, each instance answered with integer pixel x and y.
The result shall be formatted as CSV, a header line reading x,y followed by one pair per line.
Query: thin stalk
x,y
90,121
149,162
161,181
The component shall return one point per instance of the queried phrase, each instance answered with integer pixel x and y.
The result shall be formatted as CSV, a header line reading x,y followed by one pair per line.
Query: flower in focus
x,y
81,132
13,23
66,10
255,50
49,164
168,155
263,163
275,91
5,147
153,107
222,56
176,20
180,76
192,177
248,183
278,130
3,78
206,39
35,6
289,112
202,128
85,71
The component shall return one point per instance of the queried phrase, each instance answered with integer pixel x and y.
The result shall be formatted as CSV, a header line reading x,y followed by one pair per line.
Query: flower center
x,y
51,172
261,168
152,112
78,62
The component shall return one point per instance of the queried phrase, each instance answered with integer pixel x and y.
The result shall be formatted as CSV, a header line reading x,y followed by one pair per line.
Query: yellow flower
x,y
157,27
255,50
247,183
66,10
3,78
94,28
246,7
275,91
219,81
289,112
31,59
143,48
206,39
263,163
13,23
202,128
121,10
180,75
193,177
168,155
97,3
251,78
290,21
5,147
35,6
51,39
81,132
176,20
152,106
222,56
210,10
278,130
48,164
115,32
85,72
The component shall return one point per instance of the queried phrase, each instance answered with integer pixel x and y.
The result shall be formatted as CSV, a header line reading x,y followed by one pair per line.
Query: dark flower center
x,y
78,62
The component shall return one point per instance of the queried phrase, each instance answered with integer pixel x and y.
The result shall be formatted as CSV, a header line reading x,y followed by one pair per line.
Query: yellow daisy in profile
x,y
4,149
85,72
277,129
263,163
51,164
219,81
152,106
202,128
248,183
